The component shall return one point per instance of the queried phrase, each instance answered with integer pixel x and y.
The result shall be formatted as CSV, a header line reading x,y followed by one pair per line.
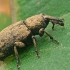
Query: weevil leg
x,y
20,45
53,26
36,50
17,57
51,37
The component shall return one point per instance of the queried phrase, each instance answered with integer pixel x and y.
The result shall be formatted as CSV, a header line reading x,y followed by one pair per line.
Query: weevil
x,y
20,34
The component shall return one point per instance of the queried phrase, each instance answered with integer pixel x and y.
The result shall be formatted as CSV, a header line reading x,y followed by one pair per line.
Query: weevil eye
x,y
62,24
41,31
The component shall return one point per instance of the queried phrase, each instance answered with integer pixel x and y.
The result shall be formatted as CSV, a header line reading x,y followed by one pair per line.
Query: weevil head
x,y
57,21
53,20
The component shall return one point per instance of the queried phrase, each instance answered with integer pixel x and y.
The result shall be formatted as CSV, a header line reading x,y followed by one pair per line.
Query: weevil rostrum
x,y
21,33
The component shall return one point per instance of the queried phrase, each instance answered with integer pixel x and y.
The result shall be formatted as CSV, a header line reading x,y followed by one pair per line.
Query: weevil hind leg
x,y
19,44
35,45
17,57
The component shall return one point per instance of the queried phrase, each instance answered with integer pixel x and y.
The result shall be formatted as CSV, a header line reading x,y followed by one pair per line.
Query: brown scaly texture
x,y
13,33
35,23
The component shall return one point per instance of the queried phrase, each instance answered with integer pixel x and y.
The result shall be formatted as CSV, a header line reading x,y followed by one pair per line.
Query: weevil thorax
x,y
35,23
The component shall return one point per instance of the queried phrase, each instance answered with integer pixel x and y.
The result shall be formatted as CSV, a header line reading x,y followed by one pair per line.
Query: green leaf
x,y
52,56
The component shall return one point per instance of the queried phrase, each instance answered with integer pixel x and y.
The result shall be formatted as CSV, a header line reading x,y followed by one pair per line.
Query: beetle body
x,y
23,32
17,32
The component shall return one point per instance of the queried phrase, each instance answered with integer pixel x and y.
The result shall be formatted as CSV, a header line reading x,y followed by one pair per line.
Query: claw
x,y
55,41
37,54
18,67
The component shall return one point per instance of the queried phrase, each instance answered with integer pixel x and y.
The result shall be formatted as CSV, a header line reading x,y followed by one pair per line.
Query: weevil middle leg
x,y
53,26
36,50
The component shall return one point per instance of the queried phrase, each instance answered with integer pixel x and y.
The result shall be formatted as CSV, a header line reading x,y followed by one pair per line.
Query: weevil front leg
x,y
20,45
51,37
53,26
36,50
42,31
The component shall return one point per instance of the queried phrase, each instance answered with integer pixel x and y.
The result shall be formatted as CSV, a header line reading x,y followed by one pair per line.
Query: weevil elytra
x,y
20,34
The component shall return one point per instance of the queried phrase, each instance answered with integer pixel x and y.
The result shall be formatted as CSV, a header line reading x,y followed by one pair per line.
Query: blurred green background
x,y
52,56
5,20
